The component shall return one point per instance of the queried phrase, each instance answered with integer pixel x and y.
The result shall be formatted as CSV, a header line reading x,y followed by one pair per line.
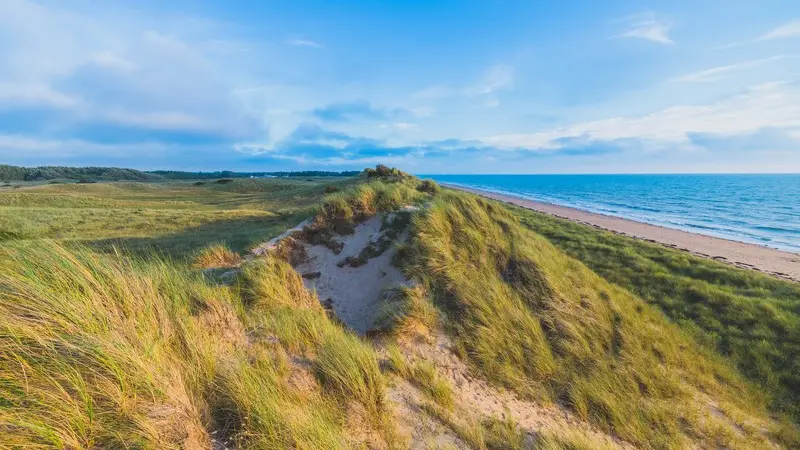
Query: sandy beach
x,y
775,262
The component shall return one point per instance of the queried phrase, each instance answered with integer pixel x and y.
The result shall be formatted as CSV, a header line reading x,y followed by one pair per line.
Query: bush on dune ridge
x,y
532,319
99,351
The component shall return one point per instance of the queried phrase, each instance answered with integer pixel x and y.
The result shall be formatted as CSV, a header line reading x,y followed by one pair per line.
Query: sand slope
x,y
353,292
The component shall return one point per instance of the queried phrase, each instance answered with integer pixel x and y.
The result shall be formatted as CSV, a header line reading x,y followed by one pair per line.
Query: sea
x,y
754,208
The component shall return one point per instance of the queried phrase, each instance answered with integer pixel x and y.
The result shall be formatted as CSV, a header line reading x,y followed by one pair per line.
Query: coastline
x,y
778,263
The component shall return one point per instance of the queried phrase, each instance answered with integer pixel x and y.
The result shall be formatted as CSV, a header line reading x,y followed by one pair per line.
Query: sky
x,y
574,86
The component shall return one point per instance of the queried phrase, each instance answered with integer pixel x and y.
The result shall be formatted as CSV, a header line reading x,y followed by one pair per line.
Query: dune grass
x,y
104,351
751,318
216,256
541,323
175,218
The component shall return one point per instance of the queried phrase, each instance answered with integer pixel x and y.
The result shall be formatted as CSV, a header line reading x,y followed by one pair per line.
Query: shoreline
x,y
778,263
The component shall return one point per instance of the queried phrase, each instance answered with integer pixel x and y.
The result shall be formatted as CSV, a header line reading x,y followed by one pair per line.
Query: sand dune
x,y
775,262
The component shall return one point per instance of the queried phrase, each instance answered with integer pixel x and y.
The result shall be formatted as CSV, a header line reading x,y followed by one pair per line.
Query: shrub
x,y
429,186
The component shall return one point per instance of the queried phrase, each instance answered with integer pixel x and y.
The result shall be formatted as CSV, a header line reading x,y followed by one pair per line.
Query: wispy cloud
x,y
787,30
769,106
498,77
353,110
400,125
34,95
432,93
423,111
720,72
648,27
304,43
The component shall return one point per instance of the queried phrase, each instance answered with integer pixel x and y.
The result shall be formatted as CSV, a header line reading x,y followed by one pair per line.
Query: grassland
x,y
102,352
175,219
750,318
533,319
109,348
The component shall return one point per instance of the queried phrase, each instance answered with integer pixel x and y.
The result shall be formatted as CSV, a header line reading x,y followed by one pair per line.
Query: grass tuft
x,y
216,256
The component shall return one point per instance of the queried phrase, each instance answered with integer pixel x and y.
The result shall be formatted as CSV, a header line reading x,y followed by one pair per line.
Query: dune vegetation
x,y
176,219
132,316
751,318
103,352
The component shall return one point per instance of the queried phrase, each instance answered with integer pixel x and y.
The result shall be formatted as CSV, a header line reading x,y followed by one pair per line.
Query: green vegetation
x,y
216,256
539,322
130,319
15,173
751,318
176,219
102,352
178,175
423,375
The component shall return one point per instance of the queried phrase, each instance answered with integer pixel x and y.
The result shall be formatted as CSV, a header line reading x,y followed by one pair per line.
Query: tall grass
x,y
539,322
101,351
751,318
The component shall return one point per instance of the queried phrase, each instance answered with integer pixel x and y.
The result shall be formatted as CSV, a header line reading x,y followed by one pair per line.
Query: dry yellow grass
x,y
100,351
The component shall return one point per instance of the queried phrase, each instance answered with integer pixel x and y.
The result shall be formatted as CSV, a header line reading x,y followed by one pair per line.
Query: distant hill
x,y
177,175
16,173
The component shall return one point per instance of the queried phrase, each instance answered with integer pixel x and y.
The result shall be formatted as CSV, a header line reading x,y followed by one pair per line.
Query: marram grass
x,y
101,351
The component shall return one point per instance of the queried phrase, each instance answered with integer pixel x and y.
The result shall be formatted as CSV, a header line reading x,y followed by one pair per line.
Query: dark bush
x,y
329,189
429,186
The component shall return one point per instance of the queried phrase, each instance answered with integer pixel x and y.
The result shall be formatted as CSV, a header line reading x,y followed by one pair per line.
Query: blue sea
x,y
759,209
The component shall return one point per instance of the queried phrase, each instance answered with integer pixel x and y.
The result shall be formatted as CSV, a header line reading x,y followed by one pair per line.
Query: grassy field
x,y
537,321
172,218
102,352
751,318
112,349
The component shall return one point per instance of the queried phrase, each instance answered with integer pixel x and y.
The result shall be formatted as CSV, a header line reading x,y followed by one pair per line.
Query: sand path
x,y
353,292
775,262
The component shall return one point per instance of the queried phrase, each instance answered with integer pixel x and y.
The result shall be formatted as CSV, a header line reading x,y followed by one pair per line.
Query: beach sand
x,y
775,262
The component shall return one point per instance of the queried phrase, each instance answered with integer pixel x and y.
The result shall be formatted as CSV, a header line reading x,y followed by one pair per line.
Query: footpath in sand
x,y
354,292
775,262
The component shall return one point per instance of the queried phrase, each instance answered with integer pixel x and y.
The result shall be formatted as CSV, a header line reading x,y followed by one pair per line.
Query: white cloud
x,y
787,30
718,73
42,95
109,60
400,125
12,146
648,27
127,69
496,78
304,43
423,111
432,93
160,120
767,106
491,103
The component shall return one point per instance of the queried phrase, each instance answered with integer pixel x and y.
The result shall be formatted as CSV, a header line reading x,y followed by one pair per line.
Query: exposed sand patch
x,y
476,397
273,243
354,293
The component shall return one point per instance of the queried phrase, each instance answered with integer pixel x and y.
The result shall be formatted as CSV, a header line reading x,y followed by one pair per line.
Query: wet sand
x,y
775,262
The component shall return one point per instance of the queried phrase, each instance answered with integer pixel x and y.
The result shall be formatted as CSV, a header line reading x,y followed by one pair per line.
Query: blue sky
x,y
491,86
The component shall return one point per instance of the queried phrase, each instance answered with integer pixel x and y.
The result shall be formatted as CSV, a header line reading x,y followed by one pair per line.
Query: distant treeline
x,y
176,175
16,173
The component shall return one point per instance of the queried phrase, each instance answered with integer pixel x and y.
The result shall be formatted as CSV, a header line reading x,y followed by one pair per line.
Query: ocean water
x,y
759,209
